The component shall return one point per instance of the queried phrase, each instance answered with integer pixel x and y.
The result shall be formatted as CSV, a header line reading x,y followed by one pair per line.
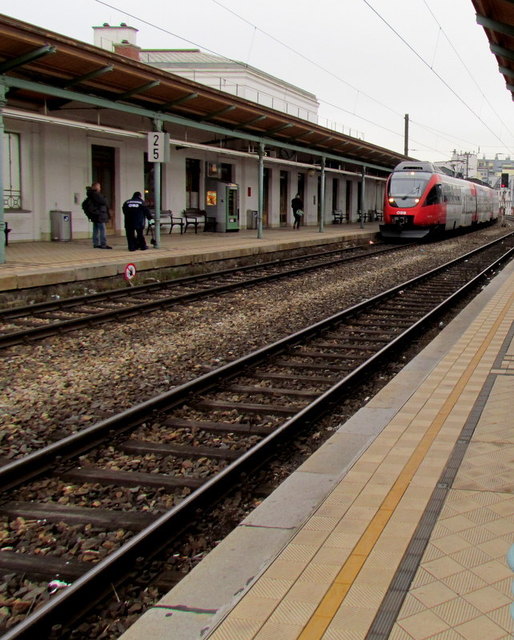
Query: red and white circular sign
x,y
130,271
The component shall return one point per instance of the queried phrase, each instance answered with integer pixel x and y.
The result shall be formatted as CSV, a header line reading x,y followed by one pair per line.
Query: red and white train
x,y
420,202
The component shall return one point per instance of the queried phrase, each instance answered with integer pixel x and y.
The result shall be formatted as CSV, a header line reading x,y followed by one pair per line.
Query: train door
x,y
103,171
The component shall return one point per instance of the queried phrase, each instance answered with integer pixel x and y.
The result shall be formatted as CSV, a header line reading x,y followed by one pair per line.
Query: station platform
x,y
398,527
36,264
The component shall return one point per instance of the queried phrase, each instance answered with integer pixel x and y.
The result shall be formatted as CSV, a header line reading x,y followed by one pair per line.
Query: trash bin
x,y
251,219
60,225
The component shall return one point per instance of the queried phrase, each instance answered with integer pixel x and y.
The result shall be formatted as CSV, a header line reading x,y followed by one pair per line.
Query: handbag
x,y
299,212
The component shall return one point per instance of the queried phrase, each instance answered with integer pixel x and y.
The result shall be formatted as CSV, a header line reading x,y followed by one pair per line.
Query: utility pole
x,y
406,136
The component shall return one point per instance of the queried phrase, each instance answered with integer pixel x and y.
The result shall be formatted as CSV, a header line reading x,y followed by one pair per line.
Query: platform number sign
x,y
158,146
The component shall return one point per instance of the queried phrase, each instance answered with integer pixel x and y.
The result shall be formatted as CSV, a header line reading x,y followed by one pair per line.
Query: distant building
x,y
468,165
214,71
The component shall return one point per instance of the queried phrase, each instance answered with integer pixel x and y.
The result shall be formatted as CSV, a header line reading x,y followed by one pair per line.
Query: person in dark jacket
x,y
98,213
297,206
136,213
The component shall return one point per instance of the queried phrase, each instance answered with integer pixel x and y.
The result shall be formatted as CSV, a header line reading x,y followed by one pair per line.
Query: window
x,y
12,171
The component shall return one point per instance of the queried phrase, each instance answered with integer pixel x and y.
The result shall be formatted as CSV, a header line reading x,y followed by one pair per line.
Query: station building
x,y
73,113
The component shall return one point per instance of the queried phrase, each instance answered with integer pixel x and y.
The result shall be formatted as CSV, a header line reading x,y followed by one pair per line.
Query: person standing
x,y
297,206
96,209
136,213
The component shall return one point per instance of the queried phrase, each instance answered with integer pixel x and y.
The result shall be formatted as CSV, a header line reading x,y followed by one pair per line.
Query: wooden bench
x,y
337,216
198,218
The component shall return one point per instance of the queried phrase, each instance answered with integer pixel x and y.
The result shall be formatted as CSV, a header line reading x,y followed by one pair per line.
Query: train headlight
x,y
416,200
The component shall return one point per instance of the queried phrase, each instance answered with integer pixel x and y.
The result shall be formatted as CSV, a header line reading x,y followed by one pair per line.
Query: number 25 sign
x,y
158,146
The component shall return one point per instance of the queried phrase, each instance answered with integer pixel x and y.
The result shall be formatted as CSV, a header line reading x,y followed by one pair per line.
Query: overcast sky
x,y
369,62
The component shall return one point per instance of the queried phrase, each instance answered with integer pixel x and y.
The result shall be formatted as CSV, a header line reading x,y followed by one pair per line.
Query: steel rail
x,y
62,326
93,585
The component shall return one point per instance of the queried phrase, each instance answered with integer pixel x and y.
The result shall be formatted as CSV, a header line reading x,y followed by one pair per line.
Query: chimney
x,y
126,48
120,39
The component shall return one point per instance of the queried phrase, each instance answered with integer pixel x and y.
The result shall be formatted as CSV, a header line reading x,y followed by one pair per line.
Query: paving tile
x,y
355,619
487,599
456,611
480,628
236,628
295,612
443,567
433,594
273,630
423,625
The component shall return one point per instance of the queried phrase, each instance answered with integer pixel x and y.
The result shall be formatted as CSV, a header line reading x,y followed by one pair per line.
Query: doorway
x,y
348,211
301,192
335,193
192,183
103,171
265,200
284,175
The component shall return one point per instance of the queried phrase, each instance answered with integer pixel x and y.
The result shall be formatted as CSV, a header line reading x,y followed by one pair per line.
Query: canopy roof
x,y
46,72
497,18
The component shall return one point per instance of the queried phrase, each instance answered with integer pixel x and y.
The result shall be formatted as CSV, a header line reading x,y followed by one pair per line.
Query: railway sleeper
x,y
311,353
240,388
292,364
47,567
176,450
241,407
220,427
131,478
353,345
52,512
263,375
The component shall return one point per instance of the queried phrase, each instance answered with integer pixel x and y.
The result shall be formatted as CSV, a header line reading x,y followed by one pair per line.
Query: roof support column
x,y
362,212
3,102
157,124
323,178
261,189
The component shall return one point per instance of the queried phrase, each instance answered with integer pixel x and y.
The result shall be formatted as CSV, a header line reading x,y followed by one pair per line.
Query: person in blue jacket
x,y
136,213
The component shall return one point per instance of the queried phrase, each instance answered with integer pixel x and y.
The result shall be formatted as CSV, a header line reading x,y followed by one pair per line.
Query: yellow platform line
x,y
342,583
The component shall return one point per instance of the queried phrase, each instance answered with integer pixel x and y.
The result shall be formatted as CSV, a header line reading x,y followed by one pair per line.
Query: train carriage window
x,y
434,195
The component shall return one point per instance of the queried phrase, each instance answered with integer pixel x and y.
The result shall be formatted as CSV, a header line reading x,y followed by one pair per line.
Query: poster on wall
x,y
211,198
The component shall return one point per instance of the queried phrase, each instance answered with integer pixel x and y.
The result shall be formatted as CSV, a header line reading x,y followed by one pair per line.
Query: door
x,y
348,210
284,204
103,171
265,203
301,192
192,183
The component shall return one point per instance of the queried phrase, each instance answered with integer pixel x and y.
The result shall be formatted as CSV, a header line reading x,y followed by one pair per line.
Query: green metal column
x,y
157,192
363,196
261,190
3,102
322,197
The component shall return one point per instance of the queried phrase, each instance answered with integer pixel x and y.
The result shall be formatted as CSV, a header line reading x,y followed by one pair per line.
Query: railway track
x,y
190,445
37,321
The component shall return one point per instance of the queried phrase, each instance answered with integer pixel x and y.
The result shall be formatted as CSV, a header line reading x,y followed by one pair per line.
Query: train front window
x,y
405,189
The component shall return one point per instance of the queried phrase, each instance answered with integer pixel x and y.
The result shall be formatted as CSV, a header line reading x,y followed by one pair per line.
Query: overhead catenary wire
x,y
420,57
